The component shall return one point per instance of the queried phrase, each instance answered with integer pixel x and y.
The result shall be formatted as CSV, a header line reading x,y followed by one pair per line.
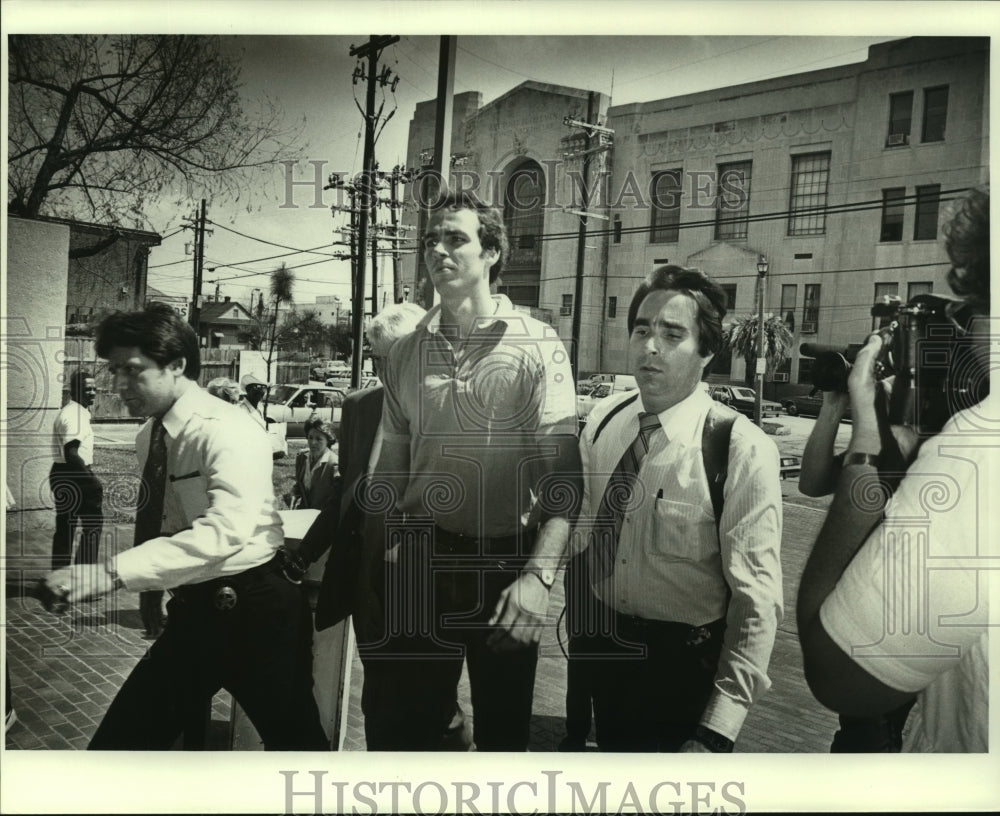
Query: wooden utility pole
x,y
199,263
370,50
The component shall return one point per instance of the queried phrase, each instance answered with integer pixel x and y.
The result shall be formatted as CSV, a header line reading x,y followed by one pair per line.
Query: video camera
x,y
928,351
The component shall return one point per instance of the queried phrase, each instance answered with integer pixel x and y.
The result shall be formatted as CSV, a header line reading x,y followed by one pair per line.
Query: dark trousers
x,y
437,608
259,650
868,735
650,680
78,496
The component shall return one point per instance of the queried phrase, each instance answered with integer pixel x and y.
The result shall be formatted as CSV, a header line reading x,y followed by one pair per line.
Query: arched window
x,y
524,218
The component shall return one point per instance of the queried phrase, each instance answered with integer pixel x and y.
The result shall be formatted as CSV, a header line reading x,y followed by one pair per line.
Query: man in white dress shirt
x,y
207,530
687,603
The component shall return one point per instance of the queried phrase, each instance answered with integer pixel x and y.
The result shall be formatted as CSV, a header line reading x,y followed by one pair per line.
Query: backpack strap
x,y
612,413
715,437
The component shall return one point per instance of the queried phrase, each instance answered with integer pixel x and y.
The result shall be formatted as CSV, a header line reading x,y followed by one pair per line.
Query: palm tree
x,y
741,337
282,281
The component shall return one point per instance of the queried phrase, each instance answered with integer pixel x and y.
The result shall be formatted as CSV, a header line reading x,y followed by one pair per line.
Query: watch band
x,y
116,580
713,740
861,459
541,574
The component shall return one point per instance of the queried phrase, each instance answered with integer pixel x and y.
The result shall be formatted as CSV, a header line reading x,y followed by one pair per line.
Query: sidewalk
x,y
65,671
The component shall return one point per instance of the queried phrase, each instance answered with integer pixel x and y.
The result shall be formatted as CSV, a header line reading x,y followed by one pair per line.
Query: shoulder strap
x,y
715,437
613,412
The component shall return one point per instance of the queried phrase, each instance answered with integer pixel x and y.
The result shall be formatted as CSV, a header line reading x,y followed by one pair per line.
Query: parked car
x,y
586,401
742,399
808,405
324,369
294,404
790,466
344,383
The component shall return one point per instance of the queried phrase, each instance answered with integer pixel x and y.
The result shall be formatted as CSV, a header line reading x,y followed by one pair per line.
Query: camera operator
x,y
877,627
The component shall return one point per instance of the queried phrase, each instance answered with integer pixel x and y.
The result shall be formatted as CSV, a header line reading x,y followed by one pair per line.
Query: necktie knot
x,y
648,423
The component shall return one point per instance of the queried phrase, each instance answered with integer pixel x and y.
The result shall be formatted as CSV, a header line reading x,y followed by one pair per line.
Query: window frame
x,y
665,219
733,227
811,305
906,131
939,121
926,209
895,202
814,221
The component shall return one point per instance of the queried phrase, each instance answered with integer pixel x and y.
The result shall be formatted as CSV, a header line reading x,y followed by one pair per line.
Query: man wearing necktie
x,y
683,605
206,529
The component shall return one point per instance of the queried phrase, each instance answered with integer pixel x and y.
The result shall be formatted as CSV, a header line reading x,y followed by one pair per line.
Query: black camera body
x,y
928,350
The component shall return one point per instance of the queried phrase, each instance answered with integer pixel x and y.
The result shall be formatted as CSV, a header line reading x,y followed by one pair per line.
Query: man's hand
x,y
151,611
692,746
80,582
519,614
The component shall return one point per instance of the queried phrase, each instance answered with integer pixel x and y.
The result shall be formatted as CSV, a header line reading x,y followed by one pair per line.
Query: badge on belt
x,y
225,598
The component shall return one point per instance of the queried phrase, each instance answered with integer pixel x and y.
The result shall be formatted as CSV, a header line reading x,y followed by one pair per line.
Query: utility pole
x,y
604,134
371,51
762,267
199,261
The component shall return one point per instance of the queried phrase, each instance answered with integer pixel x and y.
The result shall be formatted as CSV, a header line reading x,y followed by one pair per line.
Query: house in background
x,y
223,323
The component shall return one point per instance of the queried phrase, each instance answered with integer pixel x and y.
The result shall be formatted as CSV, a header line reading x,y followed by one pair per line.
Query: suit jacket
x,y
338,525
322,486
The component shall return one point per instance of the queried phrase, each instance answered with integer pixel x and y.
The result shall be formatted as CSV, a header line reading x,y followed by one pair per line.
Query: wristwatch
x,y
713,740
861,459
546,576
116,580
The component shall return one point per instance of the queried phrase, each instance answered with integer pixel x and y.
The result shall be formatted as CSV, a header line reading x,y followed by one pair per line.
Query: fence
x,y
80,353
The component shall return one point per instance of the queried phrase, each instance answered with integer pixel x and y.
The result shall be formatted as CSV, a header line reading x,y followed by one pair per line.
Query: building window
x,y
892,214
935,114
567,306
789,292
810,182
805,370
618,229
900,118
921,288
730,290
666,214
884,293
810,308
926,218
612,307
732,213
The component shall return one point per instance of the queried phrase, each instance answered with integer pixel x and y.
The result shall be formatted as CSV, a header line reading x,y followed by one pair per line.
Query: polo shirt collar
x,y
503,311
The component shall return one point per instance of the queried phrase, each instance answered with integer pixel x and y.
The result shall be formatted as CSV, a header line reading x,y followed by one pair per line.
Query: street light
x,y
762,267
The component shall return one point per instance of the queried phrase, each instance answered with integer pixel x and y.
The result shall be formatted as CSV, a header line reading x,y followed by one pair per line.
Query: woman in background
x,y
315,467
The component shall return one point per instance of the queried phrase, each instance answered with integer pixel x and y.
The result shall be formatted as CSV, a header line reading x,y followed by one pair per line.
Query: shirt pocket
x,y
683,531
192,497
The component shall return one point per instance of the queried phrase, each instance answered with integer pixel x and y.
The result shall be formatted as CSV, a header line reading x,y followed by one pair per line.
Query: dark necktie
x,y
149,513
618,498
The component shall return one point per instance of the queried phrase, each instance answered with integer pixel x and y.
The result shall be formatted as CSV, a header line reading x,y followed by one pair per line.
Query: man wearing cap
x,y
254,389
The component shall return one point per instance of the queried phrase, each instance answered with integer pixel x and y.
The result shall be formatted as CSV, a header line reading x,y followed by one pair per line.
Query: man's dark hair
x,y
967,241
706,293
77,382
492,232
157,331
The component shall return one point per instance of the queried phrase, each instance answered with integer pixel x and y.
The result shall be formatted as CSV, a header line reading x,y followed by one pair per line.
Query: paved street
x,y
64,671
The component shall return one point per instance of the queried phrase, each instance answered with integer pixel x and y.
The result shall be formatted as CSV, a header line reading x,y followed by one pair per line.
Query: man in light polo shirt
x,y
479,434
77,492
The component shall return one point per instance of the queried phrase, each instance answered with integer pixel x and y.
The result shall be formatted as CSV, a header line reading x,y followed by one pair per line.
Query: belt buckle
x,y
225,598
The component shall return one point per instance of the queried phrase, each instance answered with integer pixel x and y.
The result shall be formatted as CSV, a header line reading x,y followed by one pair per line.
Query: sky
x,y
311,76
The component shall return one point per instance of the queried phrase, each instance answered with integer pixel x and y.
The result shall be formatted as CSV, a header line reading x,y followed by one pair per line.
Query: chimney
x,y
227,299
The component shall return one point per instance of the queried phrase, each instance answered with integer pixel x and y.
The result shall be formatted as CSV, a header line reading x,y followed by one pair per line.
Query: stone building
x,y
839,177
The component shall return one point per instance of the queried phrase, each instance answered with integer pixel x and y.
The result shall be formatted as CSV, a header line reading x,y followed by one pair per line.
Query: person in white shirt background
x,y
209,533
76,491
689,605
894,599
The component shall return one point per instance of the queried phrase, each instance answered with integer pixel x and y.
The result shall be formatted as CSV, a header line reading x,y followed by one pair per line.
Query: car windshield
x,y
280,394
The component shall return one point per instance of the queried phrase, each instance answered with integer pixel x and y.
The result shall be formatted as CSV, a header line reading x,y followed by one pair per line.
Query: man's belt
x,y
223,592
513,549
